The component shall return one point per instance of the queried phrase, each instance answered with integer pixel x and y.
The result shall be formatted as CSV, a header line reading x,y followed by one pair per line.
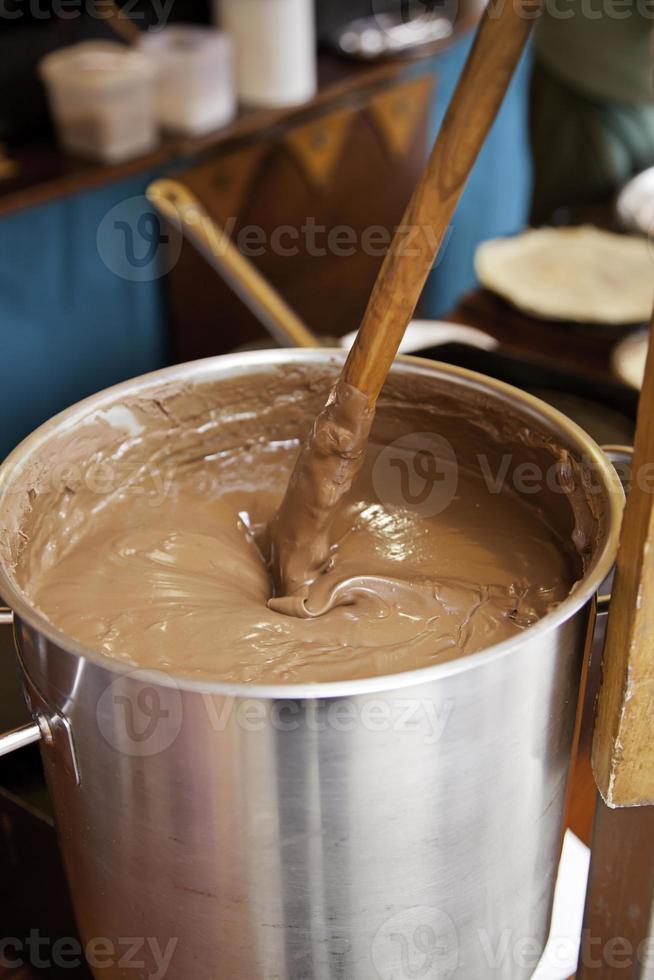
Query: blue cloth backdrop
x,y
70,324
497,197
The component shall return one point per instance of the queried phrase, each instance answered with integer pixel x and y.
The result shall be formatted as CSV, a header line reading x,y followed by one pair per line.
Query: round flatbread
x,y
629,358
635,204
579,274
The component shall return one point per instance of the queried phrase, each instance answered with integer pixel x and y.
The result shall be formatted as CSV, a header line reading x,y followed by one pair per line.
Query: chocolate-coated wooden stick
x,y
332,456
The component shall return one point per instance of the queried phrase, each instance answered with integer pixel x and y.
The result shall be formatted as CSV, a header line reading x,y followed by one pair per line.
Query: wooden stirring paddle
x,y
501,37
334,451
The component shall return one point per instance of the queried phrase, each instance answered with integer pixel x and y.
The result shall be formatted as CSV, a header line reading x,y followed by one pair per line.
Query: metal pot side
x,y
397,827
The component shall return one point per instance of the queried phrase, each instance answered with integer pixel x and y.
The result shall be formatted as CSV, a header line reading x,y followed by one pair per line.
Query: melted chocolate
x,y
166,565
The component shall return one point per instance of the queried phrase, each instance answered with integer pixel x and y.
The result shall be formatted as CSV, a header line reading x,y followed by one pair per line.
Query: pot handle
x,y
621,457
602,603
49,727
18,738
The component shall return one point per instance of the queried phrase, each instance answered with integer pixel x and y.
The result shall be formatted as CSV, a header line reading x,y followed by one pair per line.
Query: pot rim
x,y
244,362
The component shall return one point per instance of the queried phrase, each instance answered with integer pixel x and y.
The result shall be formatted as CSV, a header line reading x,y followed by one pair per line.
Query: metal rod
x,y
181,207
19,738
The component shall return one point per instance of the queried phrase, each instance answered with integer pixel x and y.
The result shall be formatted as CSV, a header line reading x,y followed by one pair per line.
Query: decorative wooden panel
x,y
318,147
399,112
312,206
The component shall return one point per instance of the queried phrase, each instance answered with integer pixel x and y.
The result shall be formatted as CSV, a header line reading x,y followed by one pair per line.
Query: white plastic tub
x,y
196,89
101,96
275,49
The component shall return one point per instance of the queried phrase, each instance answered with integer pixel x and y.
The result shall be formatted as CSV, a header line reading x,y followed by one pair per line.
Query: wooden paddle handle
x,y
623,747
500,40
181,207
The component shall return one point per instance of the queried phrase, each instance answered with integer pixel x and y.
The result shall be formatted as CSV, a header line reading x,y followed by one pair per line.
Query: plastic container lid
x,y
181,44
196,88
98,65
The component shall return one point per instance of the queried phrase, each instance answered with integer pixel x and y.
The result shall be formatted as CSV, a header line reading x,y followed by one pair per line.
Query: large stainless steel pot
x,y
400,827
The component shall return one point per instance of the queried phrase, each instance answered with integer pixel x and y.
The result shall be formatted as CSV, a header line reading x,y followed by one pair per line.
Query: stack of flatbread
x,y
576,274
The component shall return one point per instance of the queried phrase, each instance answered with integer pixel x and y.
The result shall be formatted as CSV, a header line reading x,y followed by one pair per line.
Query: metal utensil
x,y
180,206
